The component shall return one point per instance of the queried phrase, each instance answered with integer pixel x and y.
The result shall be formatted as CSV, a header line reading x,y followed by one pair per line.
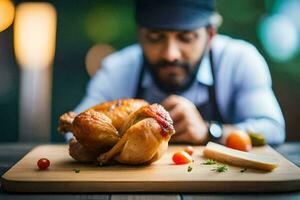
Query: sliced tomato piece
x,y
182,157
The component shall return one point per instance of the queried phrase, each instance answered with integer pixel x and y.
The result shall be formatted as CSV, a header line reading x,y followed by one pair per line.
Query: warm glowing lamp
x,y
7,11
34,36
34,44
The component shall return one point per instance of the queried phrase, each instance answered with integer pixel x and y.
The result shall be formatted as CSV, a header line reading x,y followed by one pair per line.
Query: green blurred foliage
x,y
240,20
110,24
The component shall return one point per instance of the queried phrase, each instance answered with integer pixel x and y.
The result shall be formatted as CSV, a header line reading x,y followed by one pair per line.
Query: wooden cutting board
x,y
161,176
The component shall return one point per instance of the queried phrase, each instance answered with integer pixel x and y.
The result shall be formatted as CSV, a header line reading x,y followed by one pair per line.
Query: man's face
x,y
173,56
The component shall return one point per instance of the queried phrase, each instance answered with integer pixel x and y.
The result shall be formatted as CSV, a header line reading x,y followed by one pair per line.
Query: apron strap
x,y
212,90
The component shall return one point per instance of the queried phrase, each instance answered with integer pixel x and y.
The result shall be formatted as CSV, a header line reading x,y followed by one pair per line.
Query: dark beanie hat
x,y
174,14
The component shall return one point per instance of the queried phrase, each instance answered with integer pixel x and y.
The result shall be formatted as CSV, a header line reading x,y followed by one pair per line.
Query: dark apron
x,y
208,110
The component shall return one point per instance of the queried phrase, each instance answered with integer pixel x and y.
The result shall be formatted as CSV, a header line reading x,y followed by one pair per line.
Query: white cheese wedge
x,y
239,158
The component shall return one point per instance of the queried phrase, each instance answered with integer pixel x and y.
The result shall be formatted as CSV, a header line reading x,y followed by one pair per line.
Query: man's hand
x,y
189,124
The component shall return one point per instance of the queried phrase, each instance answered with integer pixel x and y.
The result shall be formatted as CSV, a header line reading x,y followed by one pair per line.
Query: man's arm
x,y
255,106
189,125
98,91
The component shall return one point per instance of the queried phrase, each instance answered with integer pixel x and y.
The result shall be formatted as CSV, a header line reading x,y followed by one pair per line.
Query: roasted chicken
x,y
127,131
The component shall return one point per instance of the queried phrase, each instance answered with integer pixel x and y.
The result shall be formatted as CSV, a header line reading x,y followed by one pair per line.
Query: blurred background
x,y
86,31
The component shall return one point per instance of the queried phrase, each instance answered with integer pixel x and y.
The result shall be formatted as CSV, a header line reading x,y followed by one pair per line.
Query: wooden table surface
x,y
10,153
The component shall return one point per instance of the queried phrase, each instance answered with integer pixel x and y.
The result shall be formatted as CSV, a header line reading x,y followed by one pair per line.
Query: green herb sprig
x,y
220,168
76,170
209,162
190,168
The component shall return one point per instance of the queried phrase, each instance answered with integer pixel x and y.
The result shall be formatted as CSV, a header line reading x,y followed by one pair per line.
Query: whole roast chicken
x,y
128,131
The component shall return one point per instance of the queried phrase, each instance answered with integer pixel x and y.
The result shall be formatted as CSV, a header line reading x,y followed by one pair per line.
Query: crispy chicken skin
x,y
94,131
128,131
119,110
81,154
145,137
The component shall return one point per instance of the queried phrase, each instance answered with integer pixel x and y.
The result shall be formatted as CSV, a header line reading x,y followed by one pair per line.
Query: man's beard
x,y
173,85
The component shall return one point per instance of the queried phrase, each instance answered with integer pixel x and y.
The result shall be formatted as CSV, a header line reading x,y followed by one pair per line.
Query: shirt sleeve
x,y
255,106
97,92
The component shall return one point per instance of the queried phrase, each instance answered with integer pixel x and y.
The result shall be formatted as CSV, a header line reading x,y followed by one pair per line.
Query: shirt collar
x,y
204,74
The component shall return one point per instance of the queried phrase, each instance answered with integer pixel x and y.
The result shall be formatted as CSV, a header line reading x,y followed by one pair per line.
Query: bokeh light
x,y
109,23
279,37
7,12
95,56
279,30
289,8
35,34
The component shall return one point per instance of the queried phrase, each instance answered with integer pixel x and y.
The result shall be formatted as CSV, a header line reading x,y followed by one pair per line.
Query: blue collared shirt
x,y
244,87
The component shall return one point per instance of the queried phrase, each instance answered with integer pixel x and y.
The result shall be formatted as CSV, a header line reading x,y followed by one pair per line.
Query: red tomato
x,y
182,157
239,140
43,163
189,150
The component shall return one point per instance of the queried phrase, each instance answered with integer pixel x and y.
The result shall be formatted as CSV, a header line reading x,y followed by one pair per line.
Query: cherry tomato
x,y
43,163
182,157
189,150
239,140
